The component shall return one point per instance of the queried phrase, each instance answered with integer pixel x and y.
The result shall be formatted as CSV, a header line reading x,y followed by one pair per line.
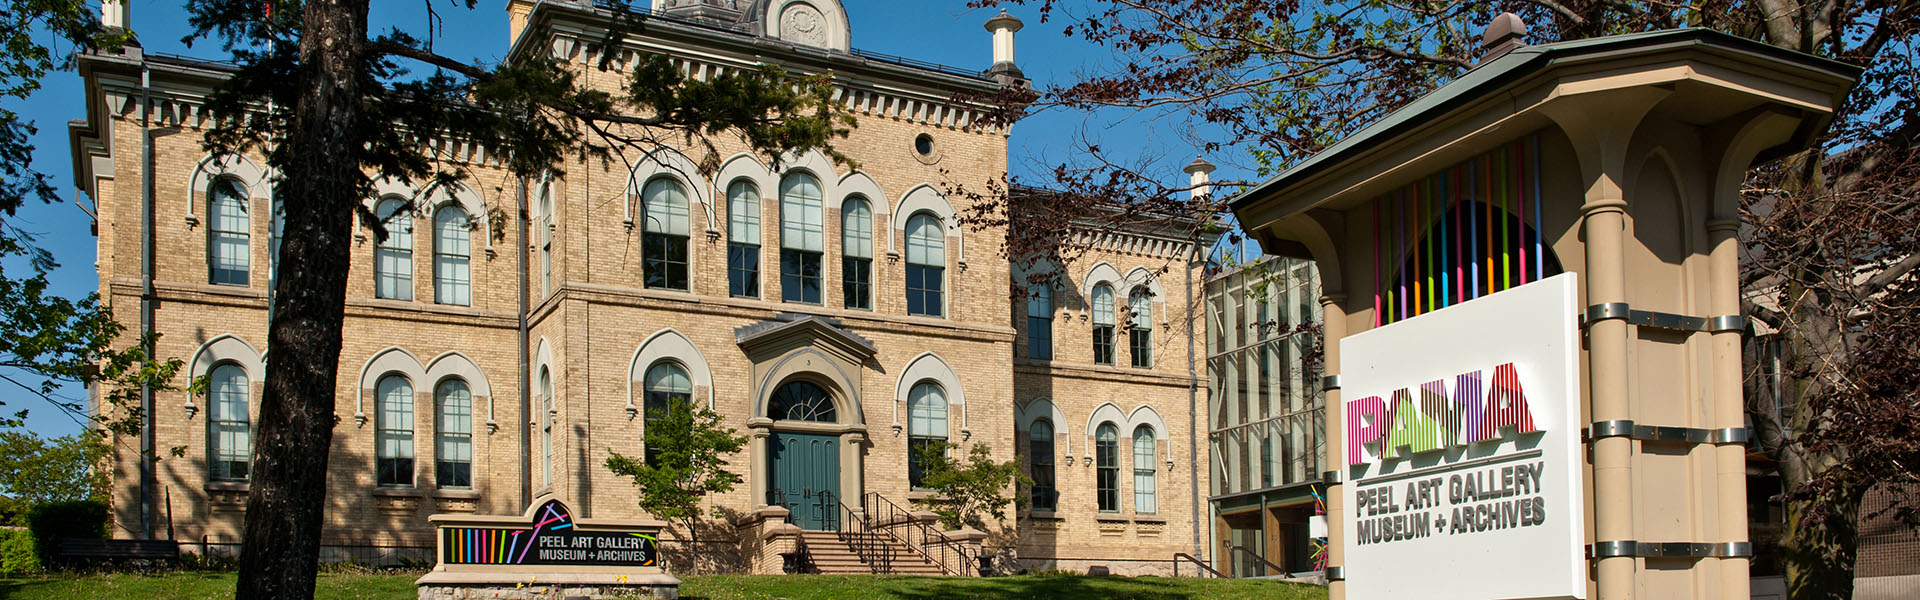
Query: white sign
x,y
1463,457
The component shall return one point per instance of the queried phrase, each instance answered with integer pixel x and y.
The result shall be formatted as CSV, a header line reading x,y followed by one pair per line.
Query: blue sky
x,y
942,31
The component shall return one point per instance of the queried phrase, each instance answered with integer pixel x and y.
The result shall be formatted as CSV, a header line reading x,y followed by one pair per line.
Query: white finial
x,y
113,14
1003,26
1198,176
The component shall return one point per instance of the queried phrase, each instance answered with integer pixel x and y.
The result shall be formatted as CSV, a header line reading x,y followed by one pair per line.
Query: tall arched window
x,y
1140,327
227,237
230,436
453,433
926,265
393,432
801,401
663,241
743,240
1040,465
452,256
1040,321
926,425
545,226
1144,485
393,256
856,250
546,427
1106,456
275,234
801,241
665,382
1103,324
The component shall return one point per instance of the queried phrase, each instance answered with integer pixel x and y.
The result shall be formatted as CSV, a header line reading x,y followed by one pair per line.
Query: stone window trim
x,y
667,344
1105,273
1126,423
929,366
425,382
237,167
227,348
925,198
664,162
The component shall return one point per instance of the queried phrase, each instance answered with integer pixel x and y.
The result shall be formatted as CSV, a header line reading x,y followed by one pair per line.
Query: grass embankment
x,y
215,585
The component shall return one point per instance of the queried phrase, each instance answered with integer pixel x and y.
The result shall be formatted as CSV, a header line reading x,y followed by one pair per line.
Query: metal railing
x,y
1263,560
379,556
1204,567
931,543
855,529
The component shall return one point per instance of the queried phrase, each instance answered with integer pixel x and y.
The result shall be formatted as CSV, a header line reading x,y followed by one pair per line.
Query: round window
x,y
923,144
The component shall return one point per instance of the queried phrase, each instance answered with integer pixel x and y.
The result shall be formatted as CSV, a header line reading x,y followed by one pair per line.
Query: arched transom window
x,y
801,401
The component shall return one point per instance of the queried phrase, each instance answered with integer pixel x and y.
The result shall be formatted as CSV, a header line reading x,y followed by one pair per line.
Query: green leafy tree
x,y
967,492
37,470
685,462
335,107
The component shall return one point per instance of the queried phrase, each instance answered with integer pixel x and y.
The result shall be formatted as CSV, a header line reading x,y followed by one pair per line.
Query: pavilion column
x,y
1334,319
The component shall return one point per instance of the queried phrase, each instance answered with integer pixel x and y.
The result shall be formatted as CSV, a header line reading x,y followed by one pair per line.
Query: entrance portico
x,y
808,432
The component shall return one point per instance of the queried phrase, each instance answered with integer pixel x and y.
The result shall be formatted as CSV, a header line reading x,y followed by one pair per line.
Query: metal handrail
x,y
1262,559
1180,556
895,516
862,540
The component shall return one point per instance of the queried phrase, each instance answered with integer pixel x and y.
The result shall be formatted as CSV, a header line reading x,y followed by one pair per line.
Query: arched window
x,y
453,430
1103,324
663,242
666,381
1144,486
230,436
926,265
452,256
801,401
1106,456
393,432
856,250
1040,465
1140,327
227,237
393,256
1040,322
546,239
926,425
743,240
801,242
546,427
275,235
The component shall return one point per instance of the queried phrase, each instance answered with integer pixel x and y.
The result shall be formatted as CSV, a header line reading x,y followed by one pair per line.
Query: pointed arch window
x,y
663,242
1040,465
453,435
229,437
393,256
393,432
1103,324
801,238
743,240
856,249
227,258
546,239
1106,456
1140,327
926,426
546,427
452,256
1040,321
666,381
1145,486
926,266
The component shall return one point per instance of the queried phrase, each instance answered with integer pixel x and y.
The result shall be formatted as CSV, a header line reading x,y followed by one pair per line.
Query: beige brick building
x,y
513,333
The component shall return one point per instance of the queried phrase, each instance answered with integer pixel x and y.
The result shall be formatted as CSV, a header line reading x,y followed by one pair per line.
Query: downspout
x,y
1193,399
526,400
148,476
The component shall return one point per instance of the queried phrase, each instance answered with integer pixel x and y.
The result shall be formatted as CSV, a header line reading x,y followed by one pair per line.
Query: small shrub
x,y
17,555
54,520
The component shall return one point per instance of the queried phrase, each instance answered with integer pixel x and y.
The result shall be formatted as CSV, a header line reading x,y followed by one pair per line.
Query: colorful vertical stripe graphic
x,y
498,545
1461,233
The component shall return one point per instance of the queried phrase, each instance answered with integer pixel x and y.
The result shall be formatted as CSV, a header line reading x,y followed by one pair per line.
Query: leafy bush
x,y
17,554
76,519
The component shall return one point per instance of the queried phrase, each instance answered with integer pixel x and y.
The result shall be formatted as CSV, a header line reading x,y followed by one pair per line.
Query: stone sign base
x,y
454,585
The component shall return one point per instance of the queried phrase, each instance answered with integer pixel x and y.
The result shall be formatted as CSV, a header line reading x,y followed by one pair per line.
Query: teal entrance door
x,y
806,469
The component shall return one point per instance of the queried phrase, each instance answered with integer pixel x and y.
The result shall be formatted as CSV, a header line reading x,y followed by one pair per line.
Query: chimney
x,y
114,14
1003,26
1197,176
1505,33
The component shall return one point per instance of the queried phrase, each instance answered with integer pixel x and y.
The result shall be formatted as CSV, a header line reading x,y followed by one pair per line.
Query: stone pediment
x,y
788,331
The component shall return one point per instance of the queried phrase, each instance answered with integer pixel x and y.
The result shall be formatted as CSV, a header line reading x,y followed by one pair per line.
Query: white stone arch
x,y
834,32
859,182
667,162
930,367
748,167
667,344
542,359
924,198
1042,407
784,370
453,364
237,167
394,359
471,201
226,348
1146,415
1107,412
1104,272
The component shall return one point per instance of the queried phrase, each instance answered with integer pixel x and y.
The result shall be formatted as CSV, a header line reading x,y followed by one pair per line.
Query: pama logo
x,y
1432,417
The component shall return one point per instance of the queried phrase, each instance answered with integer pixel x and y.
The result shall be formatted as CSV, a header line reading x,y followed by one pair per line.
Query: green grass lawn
x,y
212,585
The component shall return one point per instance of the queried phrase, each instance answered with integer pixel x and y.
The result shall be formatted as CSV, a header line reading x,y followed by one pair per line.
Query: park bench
x,y
74,552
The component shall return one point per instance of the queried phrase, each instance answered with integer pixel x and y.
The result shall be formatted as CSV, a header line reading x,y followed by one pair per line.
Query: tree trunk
x,y
1819,557
295,430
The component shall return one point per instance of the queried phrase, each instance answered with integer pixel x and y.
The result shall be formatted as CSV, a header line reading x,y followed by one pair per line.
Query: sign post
x,y
544,552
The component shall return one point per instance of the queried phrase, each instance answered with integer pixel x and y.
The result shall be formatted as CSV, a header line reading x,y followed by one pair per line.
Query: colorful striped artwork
x,y
551,539
1461,233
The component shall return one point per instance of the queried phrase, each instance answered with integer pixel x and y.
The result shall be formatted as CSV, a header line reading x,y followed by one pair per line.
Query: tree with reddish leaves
x,y
1831,238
